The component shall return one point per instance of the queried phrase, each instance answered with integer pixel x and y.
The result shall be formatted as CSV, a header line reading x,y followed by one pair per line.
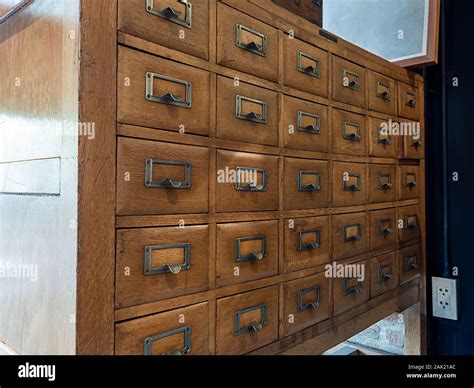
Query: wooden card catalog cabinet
x,y
234,166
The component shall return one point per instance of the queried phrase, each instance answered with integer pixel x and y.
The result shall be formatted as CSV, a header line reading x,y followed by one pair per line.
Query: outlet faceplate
x,y
445,298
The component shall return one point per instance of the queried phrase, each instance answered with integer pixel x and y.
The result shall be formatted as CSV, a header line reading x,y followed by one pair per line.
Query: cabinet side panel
x,y
96,206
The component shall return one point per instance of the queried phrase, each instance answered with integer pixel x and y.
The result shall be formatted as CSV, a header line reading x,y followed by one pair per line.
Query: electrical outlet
x,y
445,298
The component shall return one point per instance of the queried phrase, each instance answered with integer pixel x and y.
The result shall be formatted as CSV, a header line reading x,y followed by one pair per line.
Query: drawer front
x,y
246,112
247,321
382,94
177,332
306,67
305,125
306,242
306,301
161,178
408,102
408,182
177,24
246,182
348,82
246,44
382,183
155,92
383,228
381,141
349,235
352,291
383,274
306,184
409,263
160,263
409,223
348,133
412,144
349,183
246,251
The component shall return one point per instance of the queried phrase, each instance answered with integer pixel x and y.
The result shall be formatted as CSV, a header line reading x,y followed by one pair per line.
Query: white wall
x,y
38,177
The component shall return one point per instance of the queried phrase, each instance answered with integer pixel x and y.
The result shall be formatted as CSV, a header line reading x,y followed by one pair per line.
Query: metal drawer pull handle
x,y
247,179
312,70
411,222
311,187
416,142
409,99
186,330
350,131
256,117
167,268
352,233
385,138
411,263
384,181
302,246
254,256
167,183
310,128
351,290
385,273
168,98
409,179
349,184
384,227
311,305
258,46
251,327
383,91
351,80
14,10
172,14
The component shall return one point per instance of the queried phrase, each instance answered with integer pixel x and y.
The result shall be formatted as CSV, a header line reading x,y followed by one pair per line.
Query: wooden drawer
x,y
382,183
348,82
383,274
305,67
246,44
154,21
409,262
155,92
306,242
247,321
306,301
246,182
305,125
411,146
246,112
409,219
349,183
352,291
180,331
246,251
408,102
382,94
160,263
309,9
350,235
349,135
305,184
381,142
161,178
408,182
383,228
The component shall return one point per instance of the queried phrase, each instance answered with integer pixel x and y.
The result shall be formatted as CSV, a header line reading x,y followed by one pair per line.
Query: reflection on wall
x,y
394,30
